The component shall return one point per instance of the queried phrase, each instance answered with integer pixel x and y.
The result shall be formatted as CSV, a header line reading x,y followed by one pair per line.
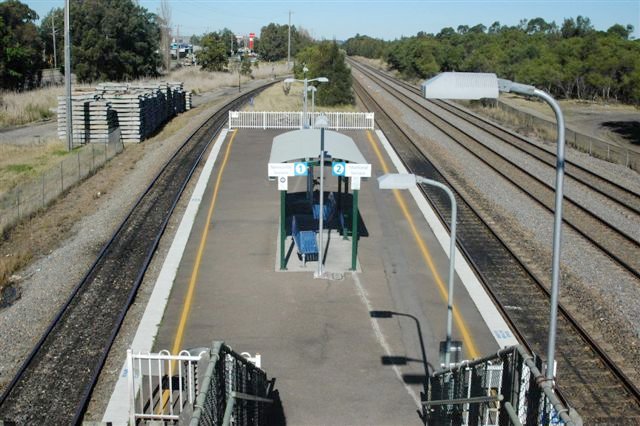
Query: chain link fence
x,y
503,389
234,391
29,197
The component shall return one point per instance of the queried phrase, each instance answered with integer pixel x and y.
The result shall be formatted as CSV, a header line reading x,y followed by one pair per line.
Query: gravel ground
x,y
104,200
579,193
594,287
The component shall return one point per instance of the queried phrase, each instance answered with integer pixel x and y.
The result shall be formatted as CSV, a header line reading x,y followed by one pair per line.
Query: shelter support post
x,y
354,231
283,231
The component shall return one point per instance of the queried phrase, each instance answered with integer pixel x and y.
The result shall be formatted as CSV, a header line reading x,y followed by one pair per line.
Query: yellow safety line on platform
x,y
459,321
186,307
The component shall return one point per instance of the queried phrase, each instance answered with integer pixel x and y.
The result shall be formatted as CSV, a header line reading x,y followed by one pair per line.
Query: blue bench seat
x,y
305,241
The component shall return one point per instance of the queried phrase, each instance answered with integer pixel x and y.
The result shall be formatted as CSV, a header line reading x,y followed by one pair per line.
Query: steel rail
x,y
626,198
576,213
216,121
388,124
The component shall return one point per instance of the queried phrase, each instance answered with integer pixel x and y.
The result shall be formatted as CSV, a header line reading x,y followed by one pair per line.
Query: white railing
x,y
295,120
161,385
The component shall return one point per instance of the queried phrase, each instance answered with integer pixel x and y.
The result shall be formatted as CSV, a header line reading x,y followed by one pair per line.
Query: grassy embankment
x,y
24,161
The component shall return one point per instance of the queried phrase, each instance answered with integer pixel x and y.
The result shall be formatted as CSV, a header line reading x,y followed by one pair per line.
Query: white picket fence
x,y
295,120
161,386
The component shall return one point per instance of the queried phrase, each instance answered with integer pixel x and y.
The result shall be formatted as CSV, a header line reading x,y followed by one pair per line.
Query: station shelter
x,y
298,154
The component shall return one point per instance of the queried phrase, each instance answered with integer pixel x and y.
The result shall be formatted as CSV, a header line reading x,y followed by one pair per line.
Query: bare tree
x,y
164,18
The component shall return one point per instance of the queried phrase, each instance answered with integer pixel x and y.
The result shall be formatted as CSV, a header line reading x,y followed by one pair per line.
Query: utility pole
x,y
232,36
289,45
67,73
53,34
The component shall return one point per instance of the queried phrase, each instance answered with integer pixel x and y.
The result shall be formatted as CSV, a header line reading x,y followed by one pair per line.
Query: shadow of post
x,y
410,379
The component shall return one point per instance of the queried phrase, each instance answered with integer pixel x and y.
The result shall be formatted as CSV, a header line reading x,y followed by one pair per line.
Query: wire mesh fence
x,y
37,193
504,389
234,391
593,146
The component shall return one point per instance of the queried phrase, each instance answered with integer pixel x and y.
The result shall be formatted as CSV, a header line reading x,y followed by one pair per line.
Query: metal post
x,y
452,260
78,166
67,74
289,44
354,231
304,104
321,214
53,33
557,231
283,233
42,189
61,178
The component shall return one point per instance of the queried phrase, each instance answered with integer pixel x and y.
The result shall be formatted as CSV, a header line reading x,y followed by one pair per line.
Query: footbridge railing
x,y
296,120
234,391
506,388
200,387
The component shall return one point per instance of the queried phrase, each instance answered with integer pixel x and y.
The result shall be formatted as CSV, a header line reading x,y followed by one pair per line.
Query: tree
x,y
327,60
20,46
245,67
620,31
213,55
113,40
362,45
274,41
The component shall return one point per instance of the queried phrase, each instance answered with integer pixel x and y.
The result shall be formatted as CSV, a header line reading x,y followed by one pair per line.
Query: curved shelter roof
x,y
299,145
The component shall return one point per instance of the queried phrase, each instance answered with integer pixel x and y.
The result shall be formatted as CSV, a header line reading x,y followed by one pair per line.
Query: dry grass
x,y
275,99
515,122
27,107
21,162
198,81
36,105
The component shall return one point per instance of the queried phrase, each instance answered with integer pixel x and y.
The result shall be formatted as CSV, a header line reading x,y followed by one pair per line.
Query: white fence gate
x,y
162,386
296,120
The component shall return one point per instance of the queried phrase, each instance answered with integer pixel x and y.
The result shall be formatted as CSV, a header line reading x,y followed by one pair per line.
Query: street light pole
x,y
67,74
306,82
407,181
487,85
523,89
322,122
313,89
304,103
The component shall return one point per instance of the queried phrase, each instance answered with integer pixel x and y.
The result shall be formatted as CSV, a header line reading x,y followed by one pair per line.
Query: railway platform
x,y
350,349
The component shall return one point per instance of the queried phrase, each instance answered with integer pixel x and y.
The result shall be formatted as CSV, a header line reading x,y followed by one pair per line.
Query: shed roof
x,y
302,144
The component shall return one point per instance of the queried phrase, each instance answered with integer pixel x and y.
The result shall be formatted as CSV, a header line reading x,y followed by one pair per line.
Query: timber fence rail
x,y
593,146
28,197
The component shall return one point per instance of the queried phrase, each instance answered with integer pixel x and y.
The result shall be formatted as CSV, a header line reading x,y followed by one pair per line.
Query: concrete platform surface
x,y
354,350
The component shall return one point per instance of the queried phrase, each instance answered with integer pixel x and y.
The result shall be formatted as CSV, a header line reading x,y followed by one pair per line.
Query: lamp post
x,y
322,122
306,81
408,181
313,90
487,85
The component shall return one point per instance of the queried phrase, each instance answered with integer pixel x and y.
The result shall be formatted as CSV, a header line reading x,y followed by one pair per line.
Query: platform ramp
x,y
506,388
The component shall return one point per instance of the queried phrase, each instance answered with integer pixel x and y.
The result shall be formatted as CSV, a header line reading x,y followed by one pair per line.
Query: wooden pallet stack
x,y
138,109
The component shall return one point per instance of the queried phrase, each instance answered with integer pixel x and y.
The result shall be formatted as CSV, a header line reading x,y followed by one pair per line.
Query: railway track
x,y
619,195
54,384
588,379
613,241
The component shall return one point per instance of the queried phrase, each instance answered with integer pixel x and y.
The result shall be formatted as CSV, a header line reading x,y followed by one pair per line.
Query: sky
x,y
334,19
